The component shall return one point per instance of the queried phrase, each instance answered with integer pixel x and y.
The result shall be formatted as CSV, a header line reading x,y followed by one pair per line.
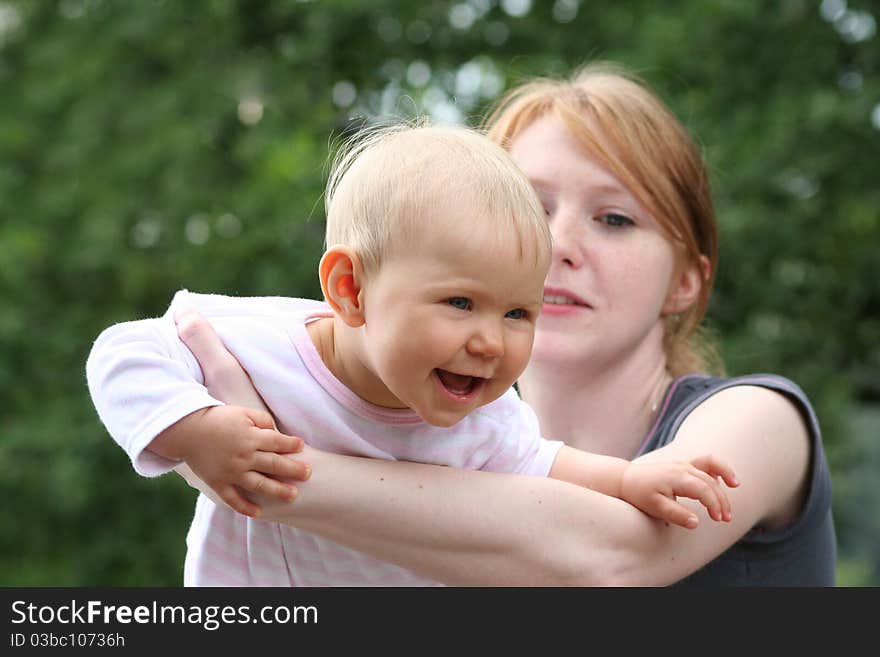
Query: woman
x,y
618,367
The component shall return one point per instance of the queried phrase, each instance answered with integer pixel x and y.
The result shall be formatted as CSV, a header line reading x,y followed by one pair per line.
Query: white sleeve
x,y
143,379
522,449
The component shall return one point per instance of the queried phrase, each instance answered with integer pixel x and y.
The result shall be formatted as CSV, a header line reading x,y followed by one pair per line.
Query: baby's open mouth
x,y
458,384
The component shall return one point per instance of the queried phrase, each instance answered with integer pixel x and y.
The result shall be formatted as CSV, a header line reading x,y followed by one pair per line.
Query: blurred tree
x,y
147,146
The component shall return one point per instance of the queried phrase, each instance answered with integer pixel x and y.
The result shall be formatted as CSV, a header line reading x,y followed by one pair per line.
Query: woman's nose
x,y
567,234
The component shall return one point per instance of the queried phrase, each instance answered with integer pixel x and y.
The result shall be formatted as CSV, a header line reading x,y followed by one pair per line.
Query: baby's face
x,y
450,322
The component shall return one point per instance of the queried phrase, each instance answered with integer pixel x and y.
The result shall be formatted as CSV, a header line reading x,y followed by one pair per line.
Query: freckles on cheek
x,y
629,272
645,279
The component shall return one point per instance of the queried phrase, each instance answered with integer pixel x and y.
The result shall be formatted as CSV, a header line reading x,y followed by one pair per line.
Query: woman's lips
x,y
559,301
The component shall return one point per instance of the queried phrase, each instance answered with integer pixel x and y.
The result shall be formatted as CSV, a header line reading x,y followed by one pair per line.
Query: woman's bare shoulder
x,y
765,436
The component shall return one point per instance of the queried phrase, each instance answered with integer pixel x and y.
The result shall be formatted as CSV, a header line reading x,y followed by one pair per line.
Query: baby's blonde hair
x,y
385,182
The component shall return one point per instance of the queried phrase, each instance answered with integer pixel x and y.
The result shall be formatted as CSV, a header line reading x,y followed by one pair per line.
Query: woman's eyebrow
x,y
604,191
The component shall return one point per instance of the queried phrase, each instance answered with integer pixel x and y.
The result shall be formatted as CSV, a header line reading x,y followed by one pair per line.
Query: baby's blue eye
x,y
516,313
462,303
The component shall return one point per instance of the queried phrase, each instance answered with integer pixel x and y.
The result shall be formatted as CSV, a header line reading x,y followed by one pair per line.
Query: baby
x,y
433,276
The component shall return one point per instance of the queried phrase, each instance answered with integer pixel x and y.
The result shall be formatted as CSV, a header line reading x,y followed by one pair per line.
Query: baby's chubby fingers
x,y
709,494
256,482
716,467
238,502
715,483
673,512
279,465
716,488
270,440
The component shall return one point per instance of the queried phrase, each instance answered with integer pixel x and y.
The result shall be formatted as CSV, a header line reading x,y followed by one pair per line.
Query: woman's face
x,y
612,267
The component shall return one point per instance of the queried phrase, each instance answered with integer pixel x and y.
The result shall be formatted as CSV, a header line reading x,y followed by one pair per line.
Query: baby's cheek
x,y
435,341
515,361
522,348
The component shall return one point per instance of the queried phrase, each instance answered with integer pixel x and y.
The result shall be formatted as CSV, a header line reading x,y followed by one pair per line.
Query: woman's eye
x,y
516,313
462,303
615,220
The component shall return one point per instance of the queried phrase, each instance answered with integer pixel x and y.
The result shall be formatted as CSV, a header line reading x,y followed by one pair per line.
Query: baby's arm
x,y
146,387
236,450
651,487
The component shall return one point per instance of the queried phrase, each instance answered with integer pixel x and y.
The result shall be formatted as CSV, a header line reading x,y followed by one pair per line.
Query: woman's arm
x,y
466,527
478,528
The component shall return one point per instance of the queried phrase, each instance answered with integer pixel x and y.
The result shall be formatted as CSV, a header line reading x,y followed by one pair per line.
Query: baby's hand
x,y
245,446
654,486
235,449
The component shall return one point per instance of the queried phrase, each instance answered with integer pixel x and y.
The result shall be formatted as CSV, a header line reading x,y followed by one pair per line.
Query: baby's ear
x,y
341,276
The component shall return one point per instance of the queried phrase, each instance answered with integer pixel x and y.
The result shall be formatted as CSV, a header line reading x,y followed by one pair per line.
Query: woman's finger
x,y
197,333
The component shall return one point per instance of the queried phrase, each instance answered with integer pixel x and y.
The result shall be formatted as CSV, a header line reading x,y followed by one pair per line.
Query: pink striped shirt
x,y
143,379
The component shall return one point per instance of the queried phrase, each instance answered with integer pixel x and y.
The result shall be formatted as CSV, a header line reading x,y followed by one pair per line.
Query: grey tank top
x,y
803,553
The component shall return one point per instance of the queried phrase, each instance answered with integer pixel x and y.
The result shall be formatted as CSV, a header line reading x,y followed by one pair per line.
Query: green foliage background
x,y
149,145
